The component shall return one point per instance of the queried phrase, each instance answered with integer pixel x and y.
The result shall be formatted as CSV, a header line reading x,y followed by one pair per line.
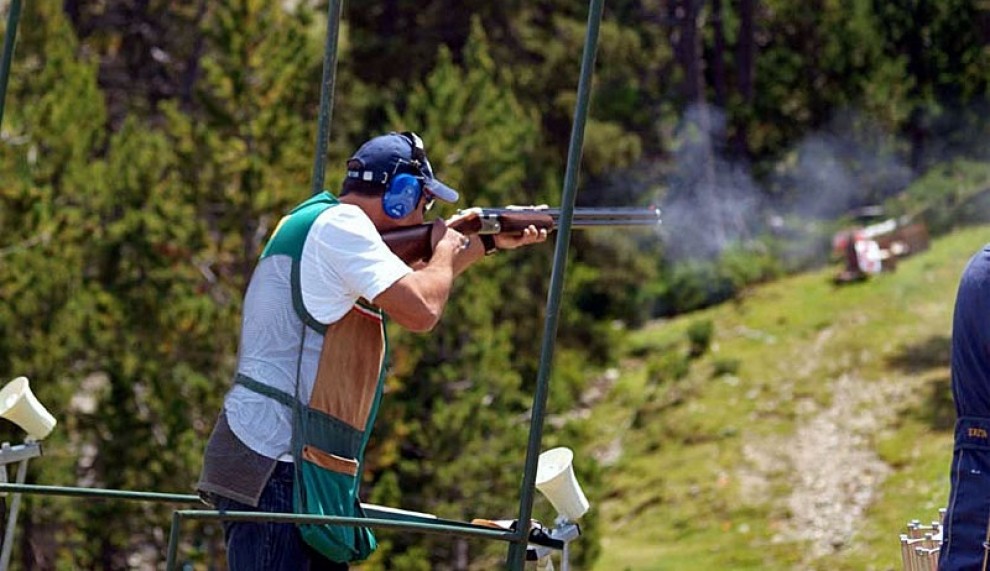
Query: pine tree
x,y
134,279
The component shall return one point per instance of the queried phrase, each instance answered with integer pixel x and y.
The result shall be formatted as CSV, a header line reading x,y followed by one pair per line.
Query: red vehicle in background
x,y
876,243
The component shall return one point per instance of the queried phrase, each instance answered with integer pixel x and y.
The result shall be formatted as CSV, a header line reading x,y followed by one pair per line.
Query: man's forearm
x,y
418,299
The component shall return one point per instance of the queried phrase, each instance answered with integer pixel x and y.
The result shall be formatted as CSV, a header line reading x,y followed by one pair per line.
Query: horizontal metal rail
x,y
370,510
100,493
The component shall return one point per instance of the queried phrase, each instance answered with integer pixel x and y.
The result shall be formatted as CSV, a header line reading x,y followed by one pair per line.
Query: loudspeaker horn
x,y
19,405
555,480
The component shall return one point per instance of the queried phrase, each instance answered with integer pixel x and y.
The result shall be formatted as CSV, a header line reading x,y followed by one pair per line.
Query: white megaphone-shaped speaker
x,y
555,480
19,405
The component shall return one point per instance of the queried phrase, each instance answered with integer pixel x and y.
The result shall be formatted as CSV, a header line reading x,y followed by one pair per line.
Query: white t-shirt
x,y
343,259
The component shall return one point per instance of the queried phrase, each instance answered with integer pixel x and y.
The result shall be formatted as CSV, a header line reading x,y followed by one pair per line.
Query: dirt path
x,y
829,461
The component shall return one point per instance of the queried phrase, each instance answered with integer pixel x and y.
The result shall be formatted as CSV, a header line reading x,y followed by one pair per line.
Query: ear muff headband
x,y
418,150
402,195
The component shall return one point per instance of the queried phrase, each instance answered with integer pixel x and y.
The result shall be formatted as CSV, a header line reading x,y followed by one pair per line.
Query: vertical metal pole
x,y
173,542
326,93
10,523
8,50
517,550
15,505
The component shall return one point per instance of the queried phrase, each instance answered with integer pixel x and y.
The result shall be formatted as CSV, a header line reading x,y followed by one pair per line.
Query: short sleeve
x,y
344,258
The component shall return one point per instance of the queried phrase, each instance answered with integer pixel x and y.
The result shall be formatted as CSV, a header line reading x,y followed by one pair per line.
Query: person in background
x,y
967,519
311,362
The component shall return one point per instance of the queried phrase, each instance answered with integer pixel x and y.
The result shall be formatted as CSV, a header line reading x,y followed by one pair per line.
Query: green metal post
x,y
517,551
8,50
173,541
326,93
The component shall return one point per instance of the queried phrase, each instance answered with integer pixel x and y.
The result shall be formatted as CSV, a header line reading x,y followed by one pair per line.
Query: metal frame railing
x,y
376,517
518,539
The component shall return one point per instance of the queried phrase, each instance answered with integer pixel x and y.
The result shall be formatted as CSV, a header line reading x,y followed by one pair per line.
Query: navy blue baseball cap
x,y
381,158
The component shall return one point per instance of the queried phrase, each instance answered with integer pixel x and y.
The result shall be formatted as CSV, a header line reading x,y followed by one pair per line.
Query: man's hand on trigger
x,y
529,236
437,232
452,241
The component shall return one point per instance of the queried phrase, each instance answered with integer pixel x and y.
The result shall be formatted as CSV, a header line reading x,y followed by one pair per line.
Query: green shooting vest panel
x,y
332,429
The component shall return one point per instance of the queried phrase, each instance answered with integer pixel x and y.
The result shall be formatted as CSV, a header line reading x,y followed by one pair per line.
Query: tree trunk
x,y
718,55
462,560
685,42
191,73
746,71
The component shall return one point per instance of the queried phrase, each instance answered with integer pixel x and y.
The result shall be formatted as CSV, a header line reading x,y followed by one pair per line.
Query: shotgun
x,y
415,243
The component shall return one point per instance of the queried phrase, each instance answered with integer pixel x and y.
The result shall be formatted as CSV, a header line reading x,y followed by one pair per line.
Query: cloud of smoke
x,y
851,163
710,202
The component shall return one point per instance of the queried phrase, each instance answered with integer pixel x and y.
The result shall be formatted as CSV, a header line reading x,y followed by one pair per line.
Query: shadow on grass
x,y
931,353
937,409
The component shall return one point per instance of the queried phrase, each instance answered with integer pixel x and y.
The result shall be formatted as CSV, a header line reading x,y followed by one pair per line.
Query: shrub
x,y
669,366
699,336
725,366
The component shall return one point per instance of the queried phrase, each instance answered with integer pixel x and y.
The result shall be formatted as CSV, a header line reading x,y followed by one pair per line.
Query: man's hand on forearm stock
x,y
510,240
530,235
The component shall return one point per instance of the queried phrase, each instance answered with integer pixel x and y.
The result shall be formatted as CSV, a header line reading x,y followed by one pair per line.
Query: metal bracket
x,y
20,453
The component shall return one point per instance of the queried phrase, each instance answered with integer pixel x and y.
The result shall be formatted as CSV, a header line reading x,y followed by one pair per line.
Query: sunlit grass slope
x,y
814,426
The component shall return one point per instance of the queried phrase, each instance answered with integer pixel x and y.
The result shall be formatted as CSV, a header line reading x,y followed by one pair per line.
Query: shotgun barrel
x,y
415,243
496,220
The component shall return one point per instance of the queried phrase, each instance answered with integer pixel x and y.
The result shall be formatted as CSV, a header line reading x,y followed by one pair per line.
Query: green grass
x,y
704,477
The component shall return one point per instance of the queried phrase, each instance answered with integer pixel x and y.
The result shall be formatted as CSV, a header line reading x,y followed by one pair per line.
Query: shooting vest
x,y
332,415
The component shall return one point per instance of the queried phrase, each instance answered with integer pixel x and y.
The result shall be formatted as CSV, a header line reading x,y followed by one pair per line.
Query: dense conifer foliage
x,y
149,147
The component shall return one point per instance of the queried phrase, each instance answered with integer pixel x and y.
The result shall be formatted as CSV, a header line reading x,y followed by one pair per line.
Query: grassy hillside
x,y
814,426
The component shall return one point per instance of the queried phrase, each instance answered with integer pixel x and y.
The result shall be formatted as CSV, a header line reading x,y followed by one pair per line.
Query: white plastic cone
x,y
555,480
19,405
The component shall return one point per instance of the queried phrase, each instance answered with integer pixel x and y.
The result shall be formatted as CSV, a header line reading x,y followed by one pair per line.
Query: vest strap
x,y
317,428
263,389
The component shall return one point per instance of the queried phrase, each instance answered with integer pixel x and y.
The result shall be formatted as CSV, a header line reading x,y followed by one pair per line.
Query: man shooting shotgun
x,y
415,243
311,362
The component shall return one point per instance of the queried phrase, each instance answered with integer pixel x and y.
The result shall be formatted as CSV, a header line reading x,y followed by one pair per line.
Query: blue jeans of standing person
x,y
269,546
967,518
968,515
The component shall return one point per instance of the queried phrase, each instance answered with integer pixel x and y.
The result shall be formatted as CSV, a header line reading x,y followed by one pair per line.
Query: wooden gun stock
x,y
415,243
411,244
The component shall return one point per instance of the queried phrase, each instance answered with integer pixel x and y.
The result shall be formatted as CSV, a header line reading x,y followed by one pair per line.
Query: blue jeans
x,y
968,514
263,546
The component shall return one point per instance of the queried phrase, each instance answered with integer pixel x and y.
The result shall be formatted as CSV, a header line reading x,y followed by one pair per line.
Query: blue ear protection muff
x,y
402,195
404,190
